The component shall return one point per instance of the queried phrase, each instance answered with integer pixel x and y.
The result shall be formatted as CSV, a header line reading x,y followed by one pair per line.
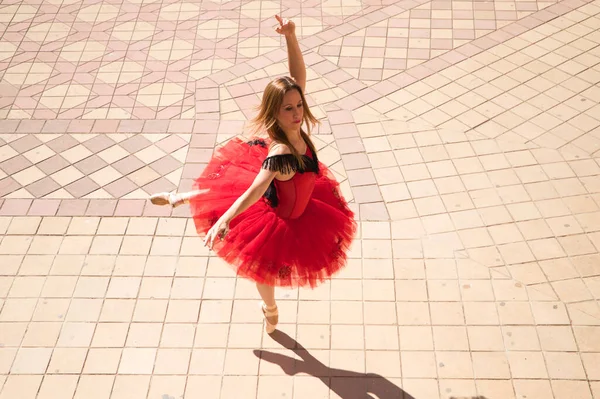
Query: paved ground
x,y
466,135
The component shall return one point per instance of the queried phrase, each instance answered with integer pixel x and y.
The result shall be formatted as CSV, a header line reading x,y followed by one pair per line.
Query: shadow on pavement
x,y
346,384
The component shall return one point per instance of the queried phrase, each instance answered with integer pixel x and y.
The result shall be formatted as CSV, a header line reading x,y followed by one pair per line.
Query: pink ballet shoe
x,y
271,315
167,199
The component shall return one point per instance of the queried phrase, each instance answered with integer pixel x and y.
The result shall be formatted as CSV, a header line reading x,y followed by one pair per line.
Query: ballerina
x,y
268,207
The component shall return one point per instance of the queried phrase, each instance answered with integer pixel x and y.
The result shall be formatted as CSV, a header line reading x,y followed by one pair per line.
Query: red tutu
x,y
263,245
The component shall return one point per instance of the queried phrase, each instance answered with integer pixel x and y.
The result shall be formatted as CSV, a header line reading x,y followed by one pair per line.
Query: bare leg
x,y
267,293
269,307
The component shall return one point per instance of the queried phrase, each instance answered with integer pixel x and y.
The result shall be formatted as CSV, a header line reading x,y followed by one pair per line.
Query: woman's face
x,y
291,111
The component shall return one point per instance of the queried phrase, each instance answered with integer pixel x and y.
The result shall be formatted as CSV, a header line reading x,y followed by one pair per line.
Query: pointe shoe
x,y
271,315
167,199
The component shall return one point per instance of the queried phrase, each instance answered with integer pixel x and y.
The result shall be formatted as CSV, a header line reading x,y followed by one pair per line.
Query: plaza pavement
x,y
466,135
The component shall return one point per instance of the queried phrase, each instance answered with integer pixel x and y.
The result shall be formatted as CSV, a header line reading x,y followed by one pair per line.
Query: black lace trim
x,y
287,163
258,142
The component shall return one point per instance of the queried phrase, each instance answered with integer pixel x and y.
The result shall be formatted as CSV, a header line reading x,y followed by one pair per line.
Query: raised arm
x,y
295,59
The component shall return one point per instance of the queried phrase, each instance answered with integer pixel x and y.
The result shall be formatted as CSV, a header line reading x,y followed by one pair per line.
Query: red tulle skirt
x,y
262,246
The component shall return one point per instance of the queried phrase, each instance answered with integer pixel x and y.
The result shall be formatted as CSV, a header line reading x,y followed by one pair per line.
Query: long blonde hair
x,y
269,108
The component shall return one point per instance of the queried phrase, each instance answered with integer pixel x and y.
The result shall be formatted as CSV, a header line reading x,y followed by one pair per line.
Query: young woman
x,y
268,207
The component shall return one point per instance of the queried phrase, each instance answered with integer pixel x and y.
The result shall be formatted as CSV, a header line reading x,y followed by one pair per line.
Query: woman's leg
x,y
269,307
267,293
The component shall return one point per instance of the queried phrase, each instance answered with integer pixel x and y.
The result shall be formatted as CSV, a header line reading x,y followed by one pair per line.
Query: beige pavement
x,y
466,136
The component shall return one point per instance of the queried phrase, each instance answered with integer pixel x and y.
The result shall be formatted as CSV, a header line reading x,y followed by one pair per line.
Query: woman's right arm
x,y
245,201
295,58
251,195
256,190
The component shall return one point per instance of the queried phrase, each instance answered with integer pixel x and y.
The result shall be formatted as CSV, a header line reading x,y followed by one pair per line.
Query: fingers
x,y
207,237
278,28
214,232
210,238
283,23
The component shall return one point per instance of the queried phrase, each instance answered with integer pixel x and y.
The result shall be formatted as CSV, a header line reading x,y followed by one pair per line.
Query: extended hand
x,y
220,230
286,27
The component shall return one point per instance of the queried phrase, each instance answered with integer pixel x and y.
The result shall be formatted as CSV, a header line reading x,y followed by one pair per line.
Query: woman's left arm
x,y
295,58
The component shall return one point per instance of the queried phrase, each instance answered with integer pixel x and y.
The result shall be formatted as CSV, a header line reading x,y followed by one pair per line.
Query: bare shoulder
x,y
279,149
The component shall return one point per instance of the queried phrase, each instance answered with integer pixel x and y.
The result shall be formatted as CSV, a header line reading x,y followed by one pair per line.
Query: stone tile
x,y
15,165
25,143
577,389
62,143
94,386
90,165
128,165
102,361
66,384
25,386
137,361
135,143
31,361
490,184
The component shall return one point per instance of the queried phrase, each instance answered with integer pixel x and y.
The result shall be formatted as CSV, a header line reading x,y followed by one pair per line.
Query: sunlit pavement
x,y
466,136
